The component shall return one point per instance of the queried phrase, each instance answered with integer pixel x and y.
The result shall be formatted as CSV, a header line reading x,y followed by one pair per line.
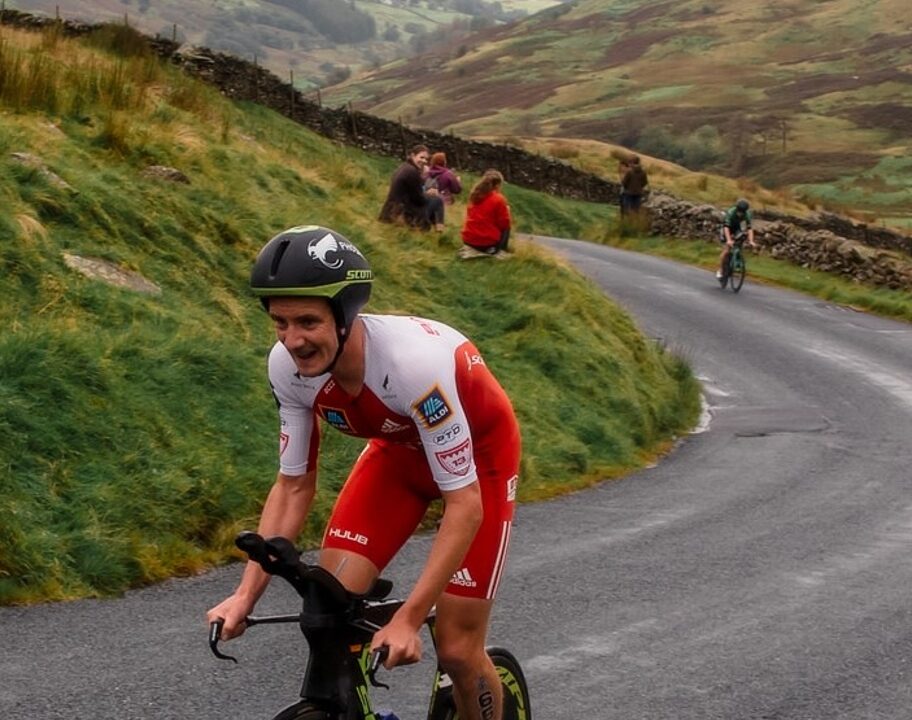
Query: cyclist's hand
x,y
403,643
233,610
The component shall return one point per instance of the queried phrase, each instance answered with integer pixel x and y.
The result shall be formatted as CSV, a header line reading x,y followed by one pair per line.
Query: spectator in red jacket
x,y
486,230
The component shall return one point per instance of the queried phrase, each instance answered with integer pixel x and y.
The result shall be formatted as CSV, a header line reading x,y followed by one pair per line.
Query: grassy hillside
x,y
814,96
283,34
137,433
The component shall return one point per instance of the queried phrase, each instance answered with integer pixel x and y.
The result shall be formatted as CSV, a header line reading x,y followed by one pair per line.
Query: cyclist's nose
x,y
294,338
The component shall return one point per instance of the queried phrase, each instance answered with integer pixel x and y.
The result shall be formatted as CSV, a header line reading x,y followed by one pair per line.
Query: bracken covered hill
x,y
812,95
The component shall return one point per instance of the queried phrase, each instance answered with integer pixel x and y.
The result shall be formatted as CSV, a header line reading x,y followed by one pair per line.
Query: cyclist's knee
x,y
460,655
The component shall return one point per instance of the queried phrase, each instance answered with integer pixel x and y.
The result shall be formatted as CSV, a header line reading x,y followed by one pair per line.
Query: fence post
x,y
291,80
174,33
319,99
402,138
256,79
351,115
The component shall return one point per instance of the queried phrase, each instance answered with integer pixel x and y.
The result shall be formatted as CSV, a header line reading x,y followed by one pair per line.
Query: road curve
x,y
762,570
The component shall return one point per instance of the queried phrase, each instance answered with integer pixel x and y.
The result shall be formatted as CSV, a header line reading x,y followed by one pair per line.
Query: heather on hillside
x,y
811,96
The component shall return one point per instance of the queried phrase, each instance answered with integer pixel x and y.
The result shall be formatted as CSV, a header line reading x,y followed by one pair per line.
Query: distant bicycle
x,y
338,626
735,269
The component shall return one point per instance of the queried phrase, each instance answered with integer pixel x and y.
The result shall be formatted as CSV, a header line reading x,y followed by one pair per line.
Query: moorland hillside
x,y
812,96
318,42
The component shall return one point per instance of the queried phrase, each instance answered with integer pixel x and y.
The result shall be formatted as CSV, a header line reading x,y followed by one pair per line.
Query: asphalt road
x,y
762,570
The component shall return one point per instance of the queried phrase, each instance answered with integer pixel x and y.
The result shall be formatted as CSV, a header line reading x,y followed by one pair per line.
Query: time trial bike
x,y
735,269
338,627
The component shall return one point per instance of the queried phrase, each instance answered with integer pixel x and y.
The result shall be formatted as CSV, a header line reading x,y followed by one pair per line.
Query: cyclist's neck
x,y
349,368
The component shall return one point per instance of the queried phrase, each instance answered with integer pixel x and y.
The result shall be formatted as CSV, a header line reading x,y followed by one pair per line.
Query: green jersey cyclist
x,y
735,222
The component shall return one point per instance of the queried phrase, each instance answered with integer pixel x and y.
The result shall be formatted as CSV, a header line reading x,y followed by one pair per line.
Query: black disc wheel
x,y
512,681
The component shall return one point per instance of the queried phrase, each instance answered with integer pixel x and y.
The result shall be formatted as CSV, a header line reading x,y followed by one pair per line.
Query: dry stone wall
x,y
816,247
827,242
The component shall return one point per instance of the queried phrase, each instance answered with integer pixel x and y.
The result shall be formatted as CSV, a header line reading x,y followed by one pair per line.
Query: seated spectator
x,y
486,230
445,180
407,201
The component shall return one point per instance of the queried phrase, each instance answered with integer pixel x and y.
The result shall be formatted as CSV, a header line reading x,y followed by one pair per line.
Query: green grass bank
x,y
137,431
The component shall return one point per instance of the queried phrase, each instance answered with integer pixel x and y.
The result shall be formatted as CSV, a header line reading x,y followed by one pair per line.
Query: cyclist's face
x,y
306,327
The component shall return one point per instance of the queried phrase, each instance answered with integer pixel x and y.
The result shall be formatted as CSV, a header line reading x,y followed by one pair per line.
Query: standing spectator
x,y
487,224
633,184
623,167
407,201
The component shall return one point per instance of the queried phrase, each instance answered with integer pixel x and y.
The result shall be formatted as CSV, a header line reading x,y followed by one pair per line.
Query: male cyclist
x,y
737,220
439,425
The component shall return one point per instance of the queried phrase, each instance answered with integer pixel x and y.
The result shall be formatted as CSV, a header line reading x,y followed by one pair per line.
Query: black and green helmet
x,y
313,261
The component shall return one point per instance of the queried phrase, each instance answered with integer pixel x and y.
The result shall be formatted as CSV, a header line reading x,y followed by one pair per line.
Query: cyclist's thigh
x,y
381,503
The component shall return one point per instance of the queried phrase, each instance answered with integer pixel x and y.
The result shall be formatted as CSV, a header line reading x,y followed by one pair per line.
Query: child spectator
x,y
445,180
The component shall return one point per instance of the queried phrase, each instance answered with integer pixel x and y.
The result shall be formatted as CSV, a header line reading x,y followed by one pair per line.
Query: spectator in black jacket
x,y
407,200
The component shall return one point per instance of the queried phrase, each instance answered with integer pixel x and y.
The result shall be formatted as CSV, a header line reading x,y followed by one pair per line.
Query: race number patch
x,y
457,460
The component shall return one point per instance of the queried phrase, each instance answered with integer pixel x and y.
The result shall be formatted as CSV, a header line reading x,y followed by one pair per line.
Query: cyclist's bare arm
x,y
462,517
283,514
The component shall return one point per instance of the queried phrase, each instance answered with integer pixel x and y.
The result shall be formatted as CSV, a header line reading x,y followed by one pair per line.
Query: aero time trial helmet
x,y
743,205
313,261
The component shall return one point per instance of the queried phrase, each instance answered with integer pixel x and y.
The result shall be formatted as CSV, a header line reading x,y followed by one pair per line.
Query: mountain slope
x,y
320,41
812,95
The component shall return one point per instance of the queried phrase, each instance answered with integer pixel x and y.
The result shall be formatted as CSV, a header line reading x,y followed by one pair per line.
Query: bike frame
x,y
338,627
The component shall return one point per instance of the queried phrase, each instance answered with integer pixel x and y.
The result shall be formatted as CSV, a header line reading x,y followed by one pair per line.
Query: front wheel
x,y
738,271
512,681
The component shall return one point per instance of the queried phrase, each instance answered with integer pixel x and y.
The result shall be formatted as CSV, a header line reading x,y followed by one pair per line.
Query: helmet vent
x,y
277,258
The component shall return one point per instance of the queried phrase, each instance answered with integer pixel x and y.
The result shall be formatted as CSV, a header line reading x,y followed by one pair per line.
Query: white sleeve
x,y
444,431
297,433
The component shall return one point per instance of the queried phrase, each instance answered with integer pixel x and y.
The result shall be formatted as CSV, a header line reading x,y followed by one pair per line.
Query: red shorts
x,y
389,490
